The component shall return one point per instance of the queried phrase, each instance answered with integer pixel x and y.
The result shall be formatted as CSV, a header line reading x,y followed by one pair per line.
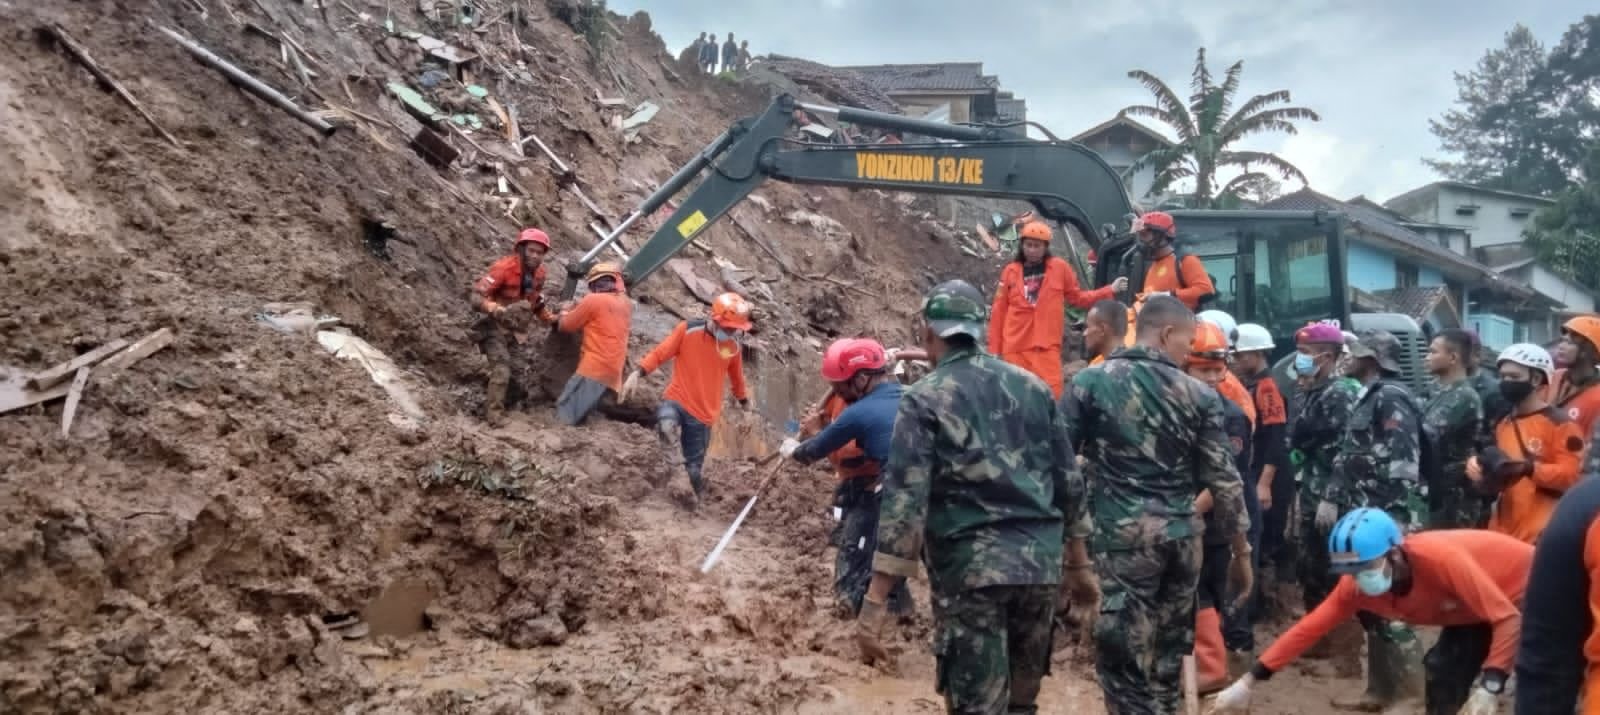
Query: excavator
x,y
1280,269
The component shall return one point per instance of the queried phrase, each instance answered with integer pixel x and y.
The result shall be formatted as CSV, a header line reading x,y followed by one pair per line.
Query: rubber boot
x,y
494,395
1401,655
1210,656
669,432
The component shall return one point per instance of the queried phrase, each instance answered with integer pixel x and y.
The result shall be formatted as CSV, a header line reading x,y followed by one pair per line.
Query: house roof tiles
x,y
940,76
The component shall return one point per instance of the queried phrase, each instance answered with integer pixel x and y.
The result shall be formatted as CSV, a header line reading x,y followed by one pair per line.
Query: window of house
x,y
1466,209
1405,275
1521,212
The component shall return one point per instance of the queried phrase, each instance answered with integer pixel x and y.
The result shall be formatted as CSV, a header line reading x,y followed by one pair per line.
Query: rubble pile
x,y
832,84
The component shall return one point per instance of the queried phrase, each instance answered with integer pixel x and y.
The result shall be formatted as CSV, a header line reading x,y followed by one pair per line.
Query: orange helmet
x,y
1159,221
1586,327
731,311
604,270
1036,230
1209,345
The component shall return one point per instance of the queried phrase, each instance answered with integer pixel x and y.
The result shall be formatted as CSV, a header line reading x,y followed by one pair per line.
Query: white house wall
x,y
1492,224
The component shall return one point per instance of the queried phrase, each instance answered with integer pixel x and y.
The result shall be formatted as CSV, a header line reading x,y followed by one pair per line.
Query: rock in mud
x,y
546,630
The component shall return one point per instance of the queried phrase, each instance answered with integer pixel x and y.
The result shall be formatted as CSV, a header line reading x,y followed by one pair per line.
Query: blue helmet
x,y
1361,537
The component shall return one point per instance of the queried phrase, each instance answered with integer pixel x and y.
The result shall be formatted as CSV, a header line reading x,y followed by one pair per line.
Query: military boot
x,y
670,433
494,397
1387,676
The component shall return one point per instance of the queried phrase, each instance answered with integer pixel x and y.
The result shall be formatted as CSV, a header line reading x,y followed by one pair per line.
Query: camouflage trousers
x,y
1146,625
1314,570
992,646
856,538
1457,506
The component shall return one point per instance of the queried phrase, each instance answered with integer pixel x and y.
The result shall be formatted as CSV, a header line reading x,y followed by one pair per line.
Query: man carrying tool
x,y
1471,582
1104,329
1452,422
1153,437
1576,387
1326,398
1169,272
858,371
1536,452
1030,305
979,482
1213,649
510,296
706,352
1559,658
1269,463
1378,465
605,316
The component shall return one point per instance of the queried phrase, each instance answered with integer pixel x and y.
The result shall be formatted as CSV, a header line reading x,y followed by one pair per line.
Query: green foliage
x,y
1566,235
1208,125
594,23
511,478
1523,117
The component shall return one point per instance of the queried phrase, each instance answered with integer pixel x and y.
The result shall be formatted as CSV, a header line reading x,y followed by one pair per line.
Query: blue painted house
x,y
1393,267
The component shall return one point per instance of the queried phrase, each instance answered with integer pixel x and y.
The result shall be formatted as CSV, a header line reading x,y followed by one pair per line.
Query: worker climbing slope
x,y
510,297
706,353
1028,318
604,316
979,484
1208,363
857,369
1470,582
1152,438
1536,454
1169,271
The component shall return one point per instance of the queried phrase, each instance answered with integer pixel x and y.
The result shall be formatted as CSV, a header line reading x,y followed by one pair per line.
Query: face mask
x,y
1515,391
1375,582
1304,364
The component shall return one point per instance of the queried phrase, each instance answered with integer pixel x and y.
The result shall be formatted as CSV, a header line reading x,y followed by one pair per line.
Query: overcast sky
x,y
1376,70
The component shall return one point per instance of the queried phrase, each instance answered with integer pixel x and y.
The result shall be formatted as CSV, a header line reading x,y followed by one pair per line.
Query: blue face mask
x,y
1375,582
1304,364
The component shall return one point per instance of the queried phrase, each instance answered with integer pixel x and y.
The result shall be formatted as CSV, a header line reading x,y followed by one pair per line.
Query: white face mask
x,y
1374,582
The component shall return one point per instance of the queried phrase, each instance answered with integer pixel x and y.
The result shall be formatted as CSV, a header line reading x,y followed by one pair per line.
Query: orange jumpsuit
x,y
1582,406
702,363
1560,652
604,319
1162,277
1029,316
1556,447
503,284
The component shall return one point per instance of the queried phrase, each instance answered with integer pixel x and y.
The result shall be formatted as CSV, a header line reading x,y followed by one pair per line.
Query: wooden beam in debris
x,y
147,346
82,56
58,374
74,394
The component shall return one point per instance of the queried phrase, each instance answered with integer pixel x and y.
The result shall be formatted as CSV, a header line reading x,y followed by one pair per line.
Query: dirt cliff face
x,y
223,509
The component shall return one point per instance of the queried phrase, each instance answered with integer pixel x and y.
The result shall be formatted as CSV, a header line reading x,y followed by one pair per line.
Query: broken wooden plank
x,y
146,347
58,374
540,143
82,56
702,289
74,394
1191,687
15,395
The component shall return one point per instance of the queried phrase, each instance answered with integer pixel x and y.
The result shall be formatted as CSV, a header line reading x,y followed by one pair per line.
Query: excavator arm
x,y
1064,181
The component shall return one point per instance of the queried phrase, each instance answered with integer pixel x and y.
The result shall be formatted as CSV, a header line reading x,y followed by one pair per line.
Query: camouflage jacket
x,y
1379,463
1153,437
1318,430
980,479
1452,422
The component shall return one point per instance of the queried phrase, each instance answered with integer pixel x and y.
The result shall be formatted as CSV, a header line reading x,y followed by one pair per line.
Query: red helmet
x,y
731,311
1092,257
1159,221
532,235
847,356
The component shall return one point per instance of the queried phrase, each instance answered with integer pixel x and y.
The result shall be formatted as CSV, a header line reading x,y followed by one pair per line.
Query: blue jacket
x,y
869,422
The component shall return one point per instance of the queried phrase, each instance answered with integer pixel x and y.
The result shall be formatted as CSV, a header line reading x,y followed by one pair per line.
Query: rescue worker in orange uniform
x,y
510,297
1537,449
1208,363
1576,387
1029,314
706,353
1231,387
605,316
1469,581
1189,282
1560,654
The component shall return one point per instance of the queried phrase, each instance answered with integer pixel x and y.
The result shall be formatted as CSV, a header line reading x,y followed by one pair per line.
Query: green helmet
x,y
954,307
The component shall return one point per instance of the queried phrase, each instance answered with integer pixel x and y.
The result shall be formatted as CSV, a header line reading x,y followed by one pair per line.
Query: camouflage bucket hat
x,y
955,308
1380,345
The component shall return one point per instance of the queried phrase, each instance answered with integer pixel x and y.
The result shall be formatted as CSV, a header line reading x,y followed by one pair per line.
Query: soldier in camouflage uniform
x,y
1379,466
1325,401
1153,438
1452,422
980,482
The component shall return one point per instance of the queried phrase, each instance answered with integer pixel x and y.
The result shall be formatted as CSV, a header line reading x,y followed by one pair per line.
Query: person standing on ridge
x,y
510,295
1029,314
604,316
1182,276
707,352
1152,438
858,371
708,55
730,54
1537,451
1452,422
980,486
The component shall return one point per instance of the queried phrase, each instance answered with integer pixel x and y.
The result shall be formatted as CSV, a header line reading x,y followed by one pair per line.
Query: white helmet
x,y
1223,321
1530,356
1253,337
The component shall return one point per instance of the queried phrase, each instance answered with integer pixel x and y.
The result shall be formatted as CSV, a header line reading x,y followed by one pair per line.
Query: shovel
x,y
727,536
